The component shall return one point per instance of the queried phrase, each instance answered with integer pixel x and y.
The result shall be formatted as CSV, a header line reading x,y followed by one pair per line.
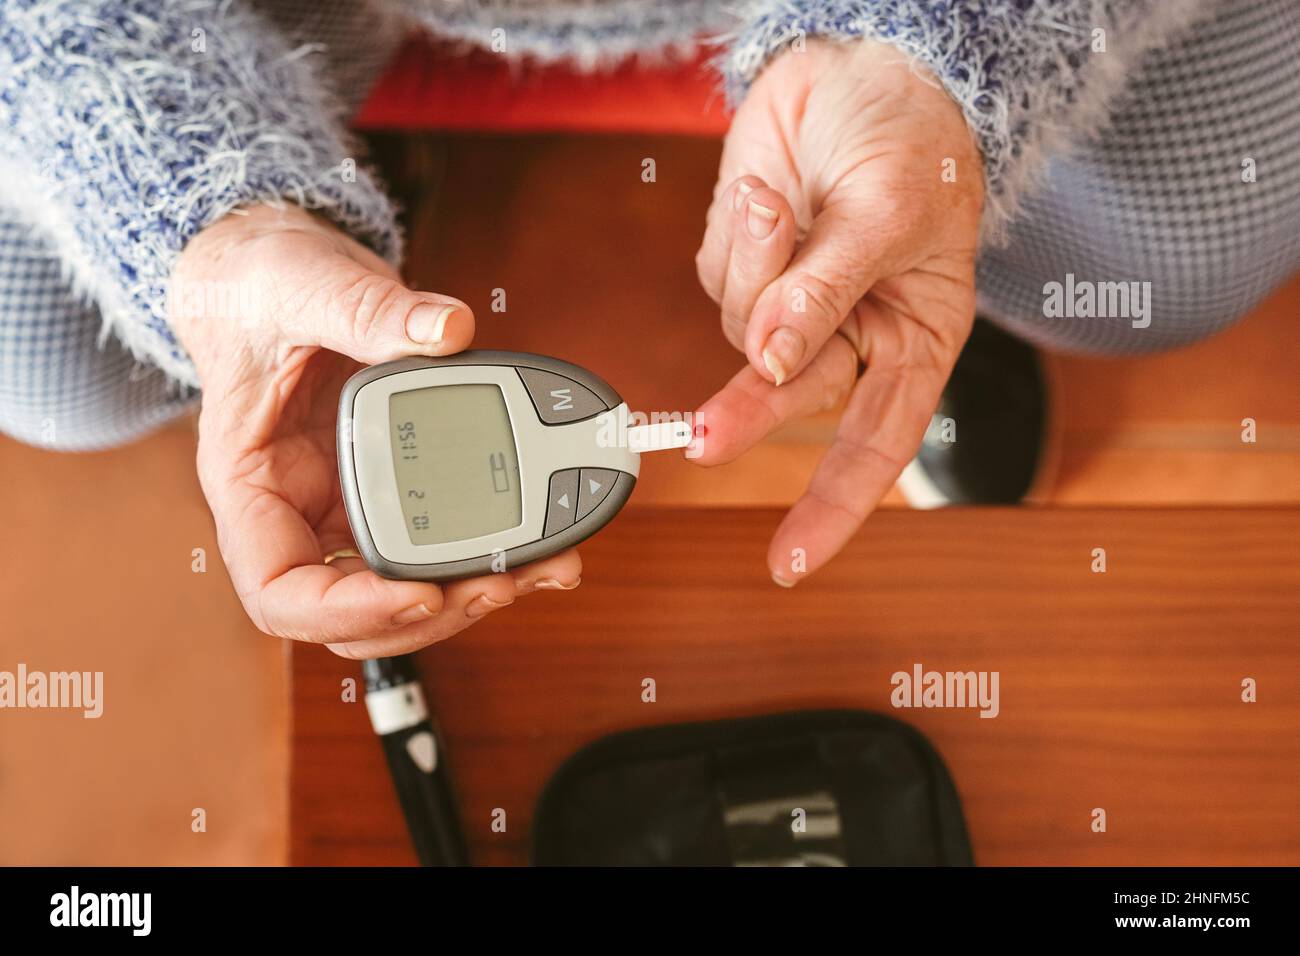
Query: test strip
x,y
658,437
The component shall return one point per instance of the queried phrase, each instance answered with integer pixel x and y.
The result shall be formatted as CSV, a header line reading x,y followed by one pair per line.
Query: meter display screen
x,y
455,460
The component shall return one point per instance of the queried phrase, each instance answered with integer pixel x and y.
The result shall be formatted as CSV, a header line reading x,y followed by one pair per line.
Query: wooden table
x,y
1120,690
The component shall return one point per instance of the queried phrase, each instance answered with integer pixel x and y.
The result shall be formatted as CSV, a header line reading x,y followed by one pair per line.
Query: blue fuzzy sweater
x,y
126,126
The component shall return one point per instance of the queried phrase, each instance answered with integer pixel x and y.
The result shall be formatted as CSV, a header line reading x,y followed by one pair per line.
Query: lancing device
x,y
414,751
482,461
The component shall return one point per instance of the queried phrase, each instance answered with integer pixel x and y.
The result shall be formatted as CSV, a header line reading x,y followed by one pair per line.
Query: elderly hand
x,y
842,235
276,308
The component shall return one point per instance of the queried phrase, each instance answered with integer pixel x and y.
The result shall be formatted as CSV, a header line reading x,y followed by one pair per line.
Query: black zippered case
x,y
810,788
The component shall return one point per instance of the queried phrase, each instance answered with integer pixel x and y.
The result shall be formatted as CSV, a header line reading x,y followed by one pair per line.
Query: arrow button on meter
x,y
593,485
563,501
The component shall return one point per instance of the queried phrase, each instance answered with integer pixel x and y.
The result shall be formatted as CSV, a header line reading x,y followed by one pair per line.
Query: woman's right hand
x,y
276,308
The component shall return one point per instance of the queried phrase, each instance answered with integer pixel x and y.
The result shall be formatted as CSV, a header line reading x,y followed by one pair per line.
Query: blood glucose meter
x,y
476,462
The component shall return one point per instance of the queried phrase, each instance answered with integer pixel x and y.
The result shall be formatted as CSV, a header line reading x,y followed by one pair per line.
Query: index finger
x,y
749,407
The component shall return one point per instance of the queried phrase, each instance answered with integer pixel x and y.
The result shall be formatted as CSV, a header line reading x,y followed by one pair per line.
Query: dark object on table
x,y
817,788
996,406
414,751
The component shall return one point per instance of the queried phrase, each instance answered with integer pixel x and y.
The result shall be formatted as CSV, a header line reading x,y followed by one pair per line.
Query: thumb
x,y
373,317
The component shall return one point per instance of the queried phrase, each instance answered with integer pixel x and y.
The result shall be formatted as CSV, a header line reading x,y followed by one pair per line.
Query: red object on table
x,y
435,86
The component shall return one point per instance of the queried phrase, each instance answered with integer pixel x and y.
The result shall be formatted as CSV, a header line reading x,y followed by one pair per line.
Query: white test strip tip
x,y
661,436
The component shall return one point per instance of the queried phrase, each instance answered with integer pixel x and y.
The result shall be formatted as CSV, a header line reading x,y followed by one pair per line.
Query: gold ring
x,y
342,553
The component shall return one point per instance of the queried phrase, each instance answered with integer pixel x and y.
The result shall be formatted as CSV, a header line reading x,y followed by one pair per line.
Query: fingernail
x,y
783,352
782,581
427,324
742,190
760,220
554,584
483,605
421,612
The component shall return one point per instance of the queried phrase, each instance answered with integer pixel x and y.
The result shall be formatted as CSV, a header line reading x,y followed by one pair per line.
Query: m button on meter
x,y
559,400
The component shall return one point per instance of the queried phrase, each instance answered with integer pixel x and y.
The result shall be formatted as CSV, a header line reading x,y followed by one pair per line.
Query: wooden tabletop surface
x,y
1119,690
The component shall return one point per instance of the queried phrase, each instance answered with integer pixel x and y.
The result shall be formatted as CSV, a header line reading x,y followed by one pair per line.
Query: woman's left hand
x,y
842,235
